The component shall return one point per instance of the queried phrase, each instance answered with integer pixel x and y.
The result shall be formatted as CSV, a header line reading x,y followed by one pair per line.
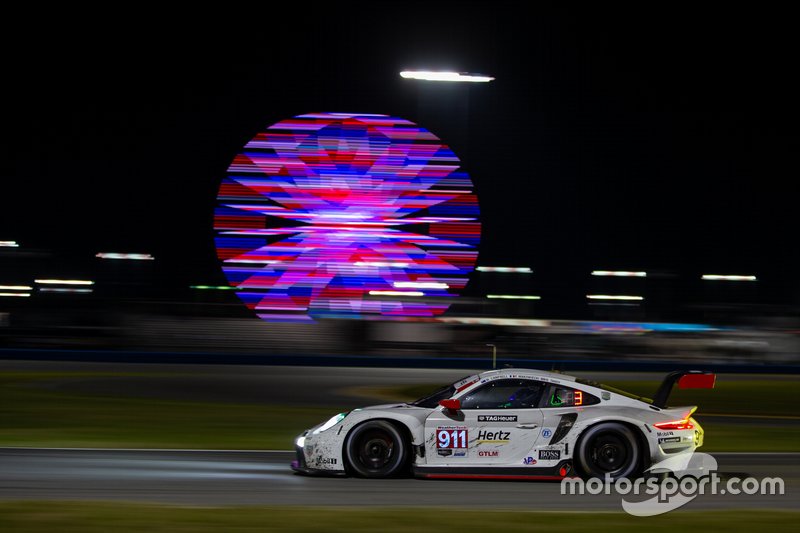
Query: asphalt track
x,y
215,478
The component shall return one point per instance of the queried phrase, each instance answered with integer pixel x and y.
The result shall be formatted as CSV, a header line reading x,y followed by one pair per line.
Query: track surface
x,y
264,478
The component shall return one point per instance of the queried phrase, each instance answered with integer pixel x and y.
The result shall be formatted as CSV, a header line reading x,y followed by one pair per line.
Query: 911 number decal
x,y
451,437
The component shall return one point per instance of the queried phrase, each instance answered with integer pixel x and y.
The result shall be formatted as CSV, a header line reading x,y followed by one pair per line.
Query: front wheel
x,y
609,449
376,449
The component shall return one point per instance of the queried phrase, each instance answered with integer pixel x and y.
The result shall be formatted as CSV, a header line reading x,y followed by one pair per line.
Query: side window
x,y
505,394
560,396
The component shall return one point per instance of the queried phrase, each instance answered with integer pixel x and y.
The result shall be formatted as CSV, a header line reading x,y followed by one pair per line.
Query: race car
x,y
509,423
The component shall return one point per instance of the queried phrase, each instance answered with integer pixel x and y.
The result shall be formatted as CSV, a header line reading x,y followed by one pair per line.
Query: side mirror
x,y
453,405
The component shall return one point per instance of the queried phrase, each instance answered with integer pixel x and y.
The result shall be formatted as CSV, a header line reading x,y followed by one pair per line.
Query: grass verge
x,y
31,415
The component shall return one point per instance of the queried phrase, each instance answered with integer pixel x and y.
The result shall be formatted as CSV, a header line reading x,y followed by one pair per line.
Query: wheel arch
x,y
638,432
401,427
403,424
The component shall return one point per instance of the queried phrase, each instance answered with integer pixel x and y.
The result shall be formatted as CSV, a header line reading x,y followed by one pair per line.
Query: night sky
x,y
661,141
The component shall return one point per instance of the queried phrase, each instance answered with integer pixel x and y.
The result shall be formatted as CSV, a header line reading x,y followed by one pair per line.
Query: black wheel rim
x,y
610,453
375,450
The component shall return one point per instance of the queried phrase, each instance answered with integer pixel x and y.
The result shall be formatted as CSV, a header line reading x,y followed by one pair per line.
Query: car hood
x,y
384,406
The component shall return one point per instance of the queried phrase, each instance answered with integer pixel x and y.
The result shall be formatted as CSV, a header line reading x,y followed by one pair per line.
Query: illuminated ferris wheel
x,y
348,215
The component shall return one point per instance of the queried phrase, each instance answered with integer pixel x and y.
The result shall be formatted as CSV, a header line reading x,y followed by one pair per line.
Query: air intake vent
x,y
564,425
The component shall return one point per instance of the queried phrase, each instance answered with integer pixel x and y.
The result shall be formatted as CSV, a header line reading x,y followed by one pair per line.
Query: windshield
x,y
442,393
432,400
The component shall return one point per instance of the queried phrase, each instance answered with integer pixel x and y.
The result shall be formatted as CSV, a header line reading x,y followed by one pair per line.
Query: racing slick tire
x,y
376,449
608,449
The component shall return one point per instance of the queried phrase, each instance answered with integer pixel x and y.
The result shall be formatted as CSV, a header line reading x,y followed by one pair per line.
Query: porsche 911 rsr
x,y
510,423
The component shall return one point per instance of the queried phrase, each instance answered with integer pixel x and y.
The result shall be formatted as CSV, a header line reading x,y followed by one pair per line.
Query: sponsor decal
x,y
493,437
488,453
547,432
325,461
669,439
451,437
664,433
549,455
497,418
529,461
464,383
525,376
520,376
452,441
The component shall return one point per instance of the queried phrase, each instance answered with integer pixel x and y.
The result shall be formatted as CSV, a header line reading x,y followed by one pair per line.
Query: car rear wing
x,y
686,379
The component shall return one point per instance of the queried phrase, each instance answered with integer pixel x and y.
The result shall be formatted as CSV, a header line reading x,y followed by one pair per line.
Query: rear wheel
x,y
376,449
609,449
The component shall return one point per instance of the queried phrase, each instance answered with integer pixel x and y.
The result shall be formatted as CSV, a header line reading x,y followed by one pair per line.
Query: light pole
x,y
494,355
444,95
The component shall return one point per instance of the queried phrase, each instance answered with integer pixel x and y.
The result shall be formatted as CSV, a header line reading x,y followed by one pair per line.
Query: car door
x,y
498,425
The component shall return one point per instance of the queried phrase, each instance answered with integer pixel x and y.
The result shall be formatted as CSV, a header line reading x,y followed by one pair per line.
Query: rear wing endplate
x,y
686,379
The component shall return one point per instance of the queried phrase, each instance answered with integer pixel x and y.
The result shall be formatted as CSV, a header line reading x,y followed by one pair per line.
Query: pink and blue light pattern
x,y
321,210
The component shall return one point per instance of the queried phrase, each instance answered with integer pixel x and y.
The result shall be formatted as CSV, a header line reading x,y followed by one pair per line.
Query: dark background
x,y
664,141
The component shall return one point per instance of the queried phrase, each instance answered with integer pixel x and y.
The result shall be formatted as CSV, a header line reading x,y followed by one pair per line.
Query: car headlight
x,y
330,423
301,441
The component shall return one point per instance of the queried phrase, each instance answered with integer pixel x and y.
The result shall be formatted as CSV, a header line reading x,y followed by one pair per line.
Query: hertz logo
x,y
496,437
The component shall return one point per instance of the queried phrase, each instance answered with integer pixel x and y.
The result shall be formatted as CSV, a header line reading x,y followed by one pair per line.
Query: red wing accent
x,y
697,381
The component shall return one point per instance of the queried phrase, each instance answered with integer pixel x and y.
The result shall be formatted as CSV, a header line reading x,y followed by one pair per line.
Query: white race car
x,y
510,423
